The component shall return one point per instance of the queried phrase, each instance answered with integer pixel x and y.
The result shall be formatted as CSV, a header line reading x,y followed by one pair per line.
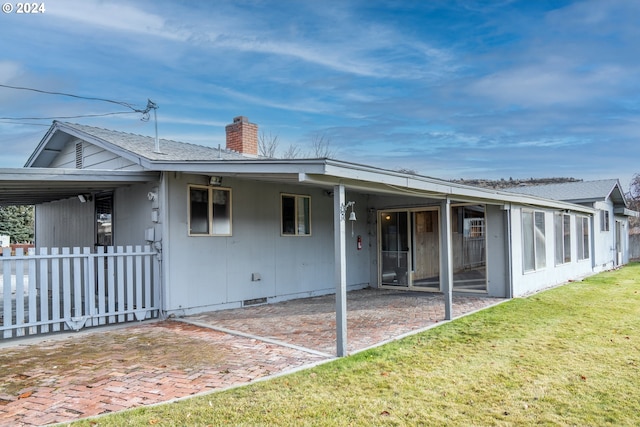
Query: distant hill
x,y
508,183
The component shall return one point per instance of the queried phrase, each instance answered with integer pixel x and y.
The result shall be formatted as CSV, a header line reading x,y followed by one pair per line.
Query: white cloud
x,y
548,83
9,70
305,105
115,17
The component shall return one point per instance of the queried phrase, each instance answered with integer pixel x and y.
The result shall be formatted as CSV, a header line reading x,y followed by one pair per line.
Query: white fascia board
x,y
626,212
356,176
41,145
240,167
74,175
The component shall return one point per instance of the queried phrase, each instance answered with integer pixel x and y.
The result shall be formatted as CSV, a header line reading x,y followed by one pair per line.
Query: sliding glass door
x,y
410,248
394,249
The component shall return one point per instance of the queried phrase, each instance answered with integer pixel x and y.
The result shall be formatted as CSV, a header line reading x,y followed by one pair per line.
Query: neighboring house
x,y
232,229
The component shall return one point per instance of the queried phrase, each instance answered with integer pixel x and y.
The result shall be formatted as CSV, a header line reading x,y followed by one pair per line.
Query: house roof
x,y
578,192
137,148
324,173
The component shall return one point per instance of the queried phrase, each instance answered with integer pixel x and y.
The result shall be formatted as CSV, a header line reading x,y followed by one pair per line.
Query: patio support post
x,y
340,245
446,258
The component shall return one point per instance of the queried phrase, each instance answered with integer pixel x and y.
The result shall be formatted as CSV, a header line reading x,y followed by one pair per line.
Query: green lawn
x,y
567,356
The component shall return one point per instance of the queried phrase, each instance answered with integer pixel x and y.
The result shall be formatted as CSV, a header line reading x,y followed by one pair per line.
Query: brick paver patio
x,y
373,316
73,376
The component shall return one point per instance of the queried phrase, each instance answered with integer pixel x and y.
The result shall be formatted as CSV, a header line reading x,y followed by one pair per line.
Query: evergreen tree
x,y
17,222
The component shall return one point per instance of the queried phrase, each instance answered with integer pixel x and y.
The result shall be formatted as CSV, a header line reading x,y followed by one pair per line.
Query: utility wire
x,y
26,124
67,117
145,112
124,104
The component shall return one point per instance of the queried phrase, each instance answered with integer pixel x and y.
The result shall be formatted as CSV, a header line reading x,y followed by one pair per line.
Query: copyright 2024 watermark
x,y
24,8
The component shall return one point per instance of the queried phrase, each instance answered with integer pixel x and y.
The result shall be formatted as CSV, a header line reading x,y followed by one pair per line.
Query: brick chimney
x,y
242,136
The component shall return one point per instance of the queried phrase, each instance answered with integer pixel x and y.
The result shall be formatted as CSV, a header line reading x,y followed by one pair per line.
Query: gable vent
x,y
79,156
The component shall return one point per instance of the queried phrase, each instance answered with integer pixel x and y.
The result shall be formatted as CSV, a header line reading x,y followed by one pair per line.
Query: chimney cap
x,y
241,119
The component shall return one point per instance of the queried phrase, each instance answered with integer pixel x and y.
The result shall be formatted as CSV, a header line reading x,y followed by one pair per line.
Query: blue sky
x,y
468,89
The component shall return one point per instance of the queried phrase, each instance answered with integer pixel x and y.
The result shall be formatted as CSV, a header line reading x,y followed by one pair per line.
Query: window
x,y
604,220
296,215
582,232
562,226
104,219
209,211
533,240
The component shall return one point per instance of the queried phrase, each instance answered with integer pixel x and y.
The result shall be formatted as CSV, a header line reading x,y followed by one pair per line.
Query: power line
x,y
68,117
25,124
90,98
145,113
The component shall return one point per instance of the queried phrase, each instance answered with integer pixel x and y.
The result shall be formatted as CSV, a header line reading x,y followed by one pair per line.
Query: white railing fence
x,y
68,289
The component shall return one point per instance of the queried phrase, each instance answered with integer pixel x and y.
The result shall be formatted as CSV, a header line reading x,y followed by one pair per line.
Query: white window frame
x,y
562,231
298,220
605,220
213,229
538,247
582,231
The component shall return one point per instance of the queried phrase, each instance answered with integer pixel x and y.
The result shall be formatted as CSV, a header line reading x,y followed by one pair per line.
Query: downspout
x,y
508,213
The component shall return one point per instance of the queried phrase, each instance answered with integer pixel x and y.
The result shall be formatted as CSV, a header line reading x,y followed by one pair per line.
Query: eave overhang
x,y
626,212
30,186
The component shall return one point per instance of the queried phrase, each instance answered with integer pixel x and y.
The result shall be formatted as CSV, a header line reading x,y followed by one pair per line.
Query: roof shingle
x,y
571,191
144,146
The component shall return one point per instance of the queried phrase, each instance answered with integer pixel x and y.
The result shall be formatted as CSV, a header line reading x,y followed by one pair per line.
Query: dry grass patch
x,y
568,356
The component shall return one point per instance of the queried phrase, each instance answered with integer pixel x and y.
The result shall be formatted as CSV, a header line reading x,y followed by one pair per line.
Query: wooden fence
x,y
68,289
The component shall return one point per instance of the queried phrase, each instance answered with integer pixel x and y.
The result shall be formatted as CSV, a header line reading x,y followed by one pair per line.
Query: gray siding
x,y
207,272
604,253
93,157
69,223
634,247
497,253
65,223
132,214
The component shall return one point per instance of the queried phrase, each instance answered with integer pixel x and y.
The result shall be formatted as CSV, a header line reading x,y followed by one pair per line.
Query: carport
x,y
32,186
54,289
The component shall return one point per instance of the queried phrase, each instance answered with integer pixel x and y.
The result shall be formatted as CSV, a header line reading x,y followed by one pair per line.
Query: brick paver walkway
x,y
65,378
373,316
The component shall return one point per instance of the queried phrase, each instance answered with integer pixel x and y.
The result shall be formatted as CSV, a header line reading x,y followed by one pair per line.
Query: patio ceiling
x,y
30,186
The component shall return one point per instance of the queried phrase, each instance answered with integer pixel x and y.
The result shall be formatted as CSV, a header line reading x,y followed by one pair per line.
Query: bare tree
x,y
634,199
321,146
407,171
292,152
268,144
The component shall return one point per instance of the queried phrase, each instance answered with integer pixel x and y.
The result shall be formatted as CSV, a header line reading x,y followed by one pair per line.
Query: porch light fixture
x,y
215,180
83,198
